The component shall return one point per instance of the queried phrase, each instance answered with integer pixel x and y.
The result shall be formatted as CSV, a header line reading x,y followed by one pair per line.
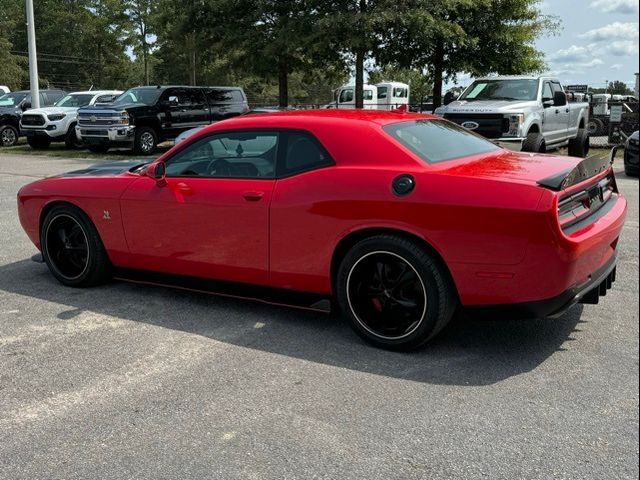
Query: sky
x,y
598,41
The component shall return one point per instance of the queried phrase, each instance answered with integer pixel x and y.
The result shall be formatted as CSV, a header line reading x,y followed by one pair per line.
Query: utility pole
x,y
33,59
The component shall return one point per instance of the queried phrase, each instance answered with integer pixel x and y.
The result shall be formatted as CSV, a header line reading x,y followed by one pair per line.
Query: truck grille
x,y
32,120
490,125
94,133
91,119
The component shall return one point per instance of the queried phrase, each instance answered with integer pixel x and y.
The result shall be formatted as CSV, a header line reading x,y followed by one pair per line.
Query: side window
x,y
399,92
346,95
303,152
547,94
227,155
382,92
367,94
192,97
220,95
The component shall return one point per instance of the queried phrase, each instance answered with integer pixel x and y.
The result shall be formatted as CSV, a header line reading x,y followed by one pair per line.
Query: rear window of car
x,y
438,140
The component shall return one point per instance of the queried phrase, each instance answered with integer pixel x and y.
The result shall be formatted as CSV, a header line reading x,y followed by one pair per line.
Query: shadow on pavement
x,y
469,352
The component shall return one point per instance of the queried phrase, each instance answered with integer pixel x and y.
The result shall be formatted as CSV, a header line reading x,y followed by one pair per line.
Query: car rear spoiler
x,y
587,168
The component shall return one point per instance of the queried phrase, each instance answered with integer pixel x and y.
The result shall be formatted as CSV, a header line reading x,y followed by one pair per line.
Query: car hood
x,y
530,168
10,111
486,106
108,168
53,110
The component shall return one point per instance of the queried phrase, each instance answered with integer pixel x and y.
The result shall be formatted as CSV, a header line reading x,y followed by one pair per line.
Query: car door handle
x,y
253,196
566,110
557,110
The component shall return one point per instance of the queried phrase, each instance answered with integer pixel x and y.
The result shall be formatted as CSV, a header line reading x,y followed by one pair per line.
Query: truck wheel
x,y
595,127
579,146
145,142
72,140
39,143
534,142
8,136
98,148
394,294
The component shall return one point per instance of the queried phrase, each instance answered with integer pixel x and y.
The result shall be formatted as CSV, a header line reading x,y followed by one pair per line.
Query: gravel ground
x,y
133,381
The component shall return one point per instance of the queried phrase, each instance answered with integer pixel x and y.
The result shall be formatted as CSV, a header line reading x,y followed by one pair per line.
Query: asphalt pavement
x,y
129,381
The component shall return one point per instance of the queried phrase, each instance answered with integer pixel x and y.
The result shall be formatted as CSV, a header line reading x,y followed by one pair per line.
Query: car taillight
x,y
579,205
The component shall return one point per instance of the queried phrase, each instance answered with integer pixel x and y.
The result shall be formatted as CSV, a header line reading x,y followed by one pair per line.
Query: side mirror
x,y
559,99
173,101
547,102
26,106
157,171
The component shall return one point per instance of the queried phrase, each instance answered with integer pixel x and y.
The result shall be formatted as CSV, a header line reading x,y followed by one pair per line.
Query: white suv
x,y
58,123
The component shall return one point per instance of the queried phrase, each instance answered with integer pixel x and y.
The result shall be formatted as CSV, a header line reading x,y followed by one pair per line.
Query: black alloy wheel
x,y
67,246
386,295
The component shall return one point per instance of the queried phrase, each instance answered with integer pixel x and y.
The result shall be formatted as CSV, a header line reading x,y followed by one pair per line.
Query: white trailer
x,y
382,96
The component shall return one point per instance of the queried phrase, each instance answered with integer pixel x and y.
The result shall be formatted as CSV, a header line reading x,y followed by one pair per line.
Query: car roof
x,y
293,118
94,92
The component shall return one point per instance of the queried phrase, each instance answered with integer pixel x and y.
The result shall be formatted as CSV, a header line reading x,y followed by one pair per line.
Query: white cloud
x,y
615,30
623,48
616,6
572,54
616,66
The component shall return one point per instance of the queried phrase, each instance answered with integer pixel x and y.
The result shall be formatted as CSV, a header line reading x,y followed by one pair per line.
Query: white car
x,y
4,89
58,123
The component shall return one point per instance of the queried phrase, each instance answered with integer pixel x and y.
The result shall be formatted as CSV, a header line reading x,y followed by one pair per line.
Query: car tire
x,y
579,146
39,143
98,148
394,293
71,140
72,249
631,173
8,136
595,127
535,143
146,141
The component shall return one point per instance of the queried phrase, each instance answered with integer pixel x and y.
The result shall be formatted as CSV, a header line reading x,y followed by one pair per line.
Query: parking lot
x,y
134,381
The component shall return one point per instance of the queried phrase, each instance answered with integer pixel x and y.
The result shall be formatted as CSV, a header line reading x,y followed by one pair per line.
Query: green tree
x,y
142,15
14,67
618,87
447,37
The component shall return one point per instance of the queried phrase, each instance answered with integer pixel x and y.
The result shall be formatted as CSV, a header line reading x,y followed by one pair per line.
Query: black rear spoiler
x,y
587,168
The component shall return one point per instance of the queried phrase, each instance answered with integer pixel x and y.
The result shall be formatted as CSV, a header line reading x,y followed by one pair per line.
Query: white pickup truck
x,y
531,114
58,123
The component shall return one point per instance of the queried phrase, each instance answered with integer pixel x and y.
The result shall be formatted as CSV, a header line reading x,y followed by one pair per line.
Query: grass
x,y
59,150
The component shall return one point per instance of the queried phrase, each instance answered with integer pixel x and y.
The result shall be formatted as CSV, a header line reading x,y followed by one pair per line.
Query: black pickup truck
x,y
11,107
142,117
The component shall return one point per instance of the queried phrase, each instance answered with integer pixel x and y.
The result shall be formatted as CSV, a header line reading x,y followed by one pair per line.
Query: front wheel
x,y
535,143
71,140
394,293
8,136
72,249
39,143
145,141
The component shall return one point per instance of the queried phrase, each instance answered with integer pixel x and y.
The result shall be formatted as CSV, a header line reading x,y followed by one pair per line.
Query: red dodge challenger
x,y
399,219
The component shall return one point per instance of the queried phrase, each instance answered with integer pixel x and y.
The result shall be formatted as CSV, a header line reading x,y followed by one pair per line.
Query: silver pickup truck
x,y
531,114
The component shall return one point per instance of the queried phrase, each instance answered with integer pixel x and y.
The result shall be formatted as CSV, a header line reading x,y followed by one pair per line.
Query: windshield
x,y
501,90
148,96
11,99
439,140
74,100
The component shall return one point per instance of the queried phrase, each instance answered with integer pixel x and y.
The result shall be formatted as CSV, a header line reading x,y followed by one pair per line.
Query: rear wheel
x,y
72,249
579,146
534,142
39,143
395,295
8,136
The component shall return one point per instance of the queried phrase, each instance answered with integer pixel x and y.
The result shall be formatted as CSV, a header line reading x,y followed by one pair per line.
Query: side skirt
x,y
272,296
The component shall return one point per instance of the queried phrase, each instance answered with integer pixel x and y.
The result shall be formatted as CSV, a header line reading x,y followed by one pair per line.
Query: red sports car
x,y
398,218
